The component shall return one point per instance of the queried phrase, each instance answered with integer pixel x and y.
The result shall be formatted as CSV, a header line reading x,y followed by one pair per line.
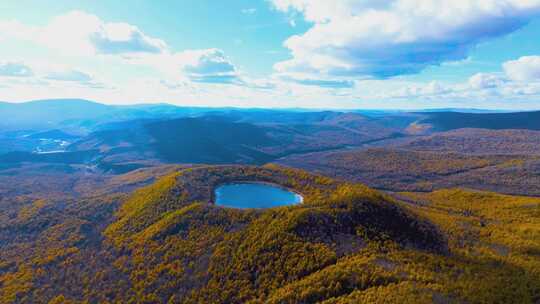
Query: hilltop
x,y
444,121
479,141
346,243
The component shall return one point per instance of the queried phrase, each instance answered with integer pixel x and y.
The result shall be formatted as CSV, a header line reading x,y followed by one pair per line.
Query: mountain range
x,y
117,204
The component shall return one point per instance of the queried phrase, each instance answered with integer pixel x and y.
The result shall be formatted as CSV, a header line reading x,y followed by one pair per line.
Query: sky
x,y
340,54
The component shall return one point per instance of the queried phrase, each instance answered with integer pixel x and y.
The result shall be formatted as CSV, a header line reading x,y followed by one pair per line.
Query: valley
x,y
390,212
270,152
344,244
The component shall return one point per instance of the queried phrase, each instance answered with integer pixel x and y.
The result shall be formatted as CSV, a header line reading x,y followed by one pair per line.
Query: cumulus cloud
x,y
486,81
64,76
69,75
46,75
78,33
523,69
15,69
119,38
207,66
323,83
386,38
433,89
518,82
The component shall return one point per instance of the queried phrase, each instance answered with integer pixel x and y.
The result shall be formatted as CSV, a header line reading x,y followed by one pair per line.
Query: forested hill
x,y
444,121
184,140
346,243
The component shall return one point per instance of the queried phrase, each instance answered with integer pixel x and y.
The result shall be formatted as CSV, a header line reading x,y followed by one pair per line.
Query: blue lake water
x,y
255,195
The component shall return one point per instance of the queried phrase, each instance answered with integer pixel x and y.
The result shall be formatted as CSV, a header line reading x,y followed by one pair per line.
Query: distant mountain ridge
x,y
479,141
464,110
184,140
221,139
86,114
166,133
445,121
48,113
81,113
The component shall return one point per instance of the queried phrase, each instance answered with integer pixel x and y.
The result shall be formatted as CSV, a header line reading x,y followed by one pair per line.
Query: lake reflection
x,y
255,195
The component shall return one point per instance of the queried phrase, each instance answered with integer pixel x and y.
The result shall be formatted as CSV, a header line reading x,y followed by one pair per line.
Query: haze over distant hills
x,y
285,152
43,114
120,197
80,114
167,133
444,121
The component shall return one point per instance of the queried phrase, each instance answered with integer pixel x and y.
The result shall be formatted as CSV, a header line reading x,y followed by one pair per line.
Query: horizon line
x,y
272,108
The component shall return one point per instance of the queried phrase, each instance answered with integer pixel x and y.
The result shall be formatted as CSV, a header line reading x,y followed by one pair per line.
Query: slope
x,y
444,121
346,244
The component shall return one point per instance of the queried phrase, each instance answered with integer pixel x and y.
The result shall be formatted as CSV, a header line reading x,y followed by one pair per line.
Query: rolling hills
x,y
347,243
328,142
81,115
117,207
407,170
445,121
222,140
184,140
479,141
166,133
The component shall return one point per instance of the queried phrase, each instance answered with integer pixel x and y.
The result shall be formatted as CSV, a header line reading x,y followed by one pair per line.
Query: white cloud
x,y
206,66
120,38
518,84
80,33
431,90
15,29
40,74
209,66
486,81
385,38
523,69
69,75
15,69
436,88
323,83
335,64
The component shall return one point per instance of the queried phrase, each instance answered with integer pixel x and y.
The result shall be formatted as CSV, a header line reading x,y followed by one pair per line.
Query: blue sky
x,y
275,53
202,24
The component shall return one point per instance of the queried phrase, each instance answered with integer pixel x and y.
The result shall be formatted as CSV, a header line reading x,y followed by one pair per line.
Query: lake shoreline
x,y
299,197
